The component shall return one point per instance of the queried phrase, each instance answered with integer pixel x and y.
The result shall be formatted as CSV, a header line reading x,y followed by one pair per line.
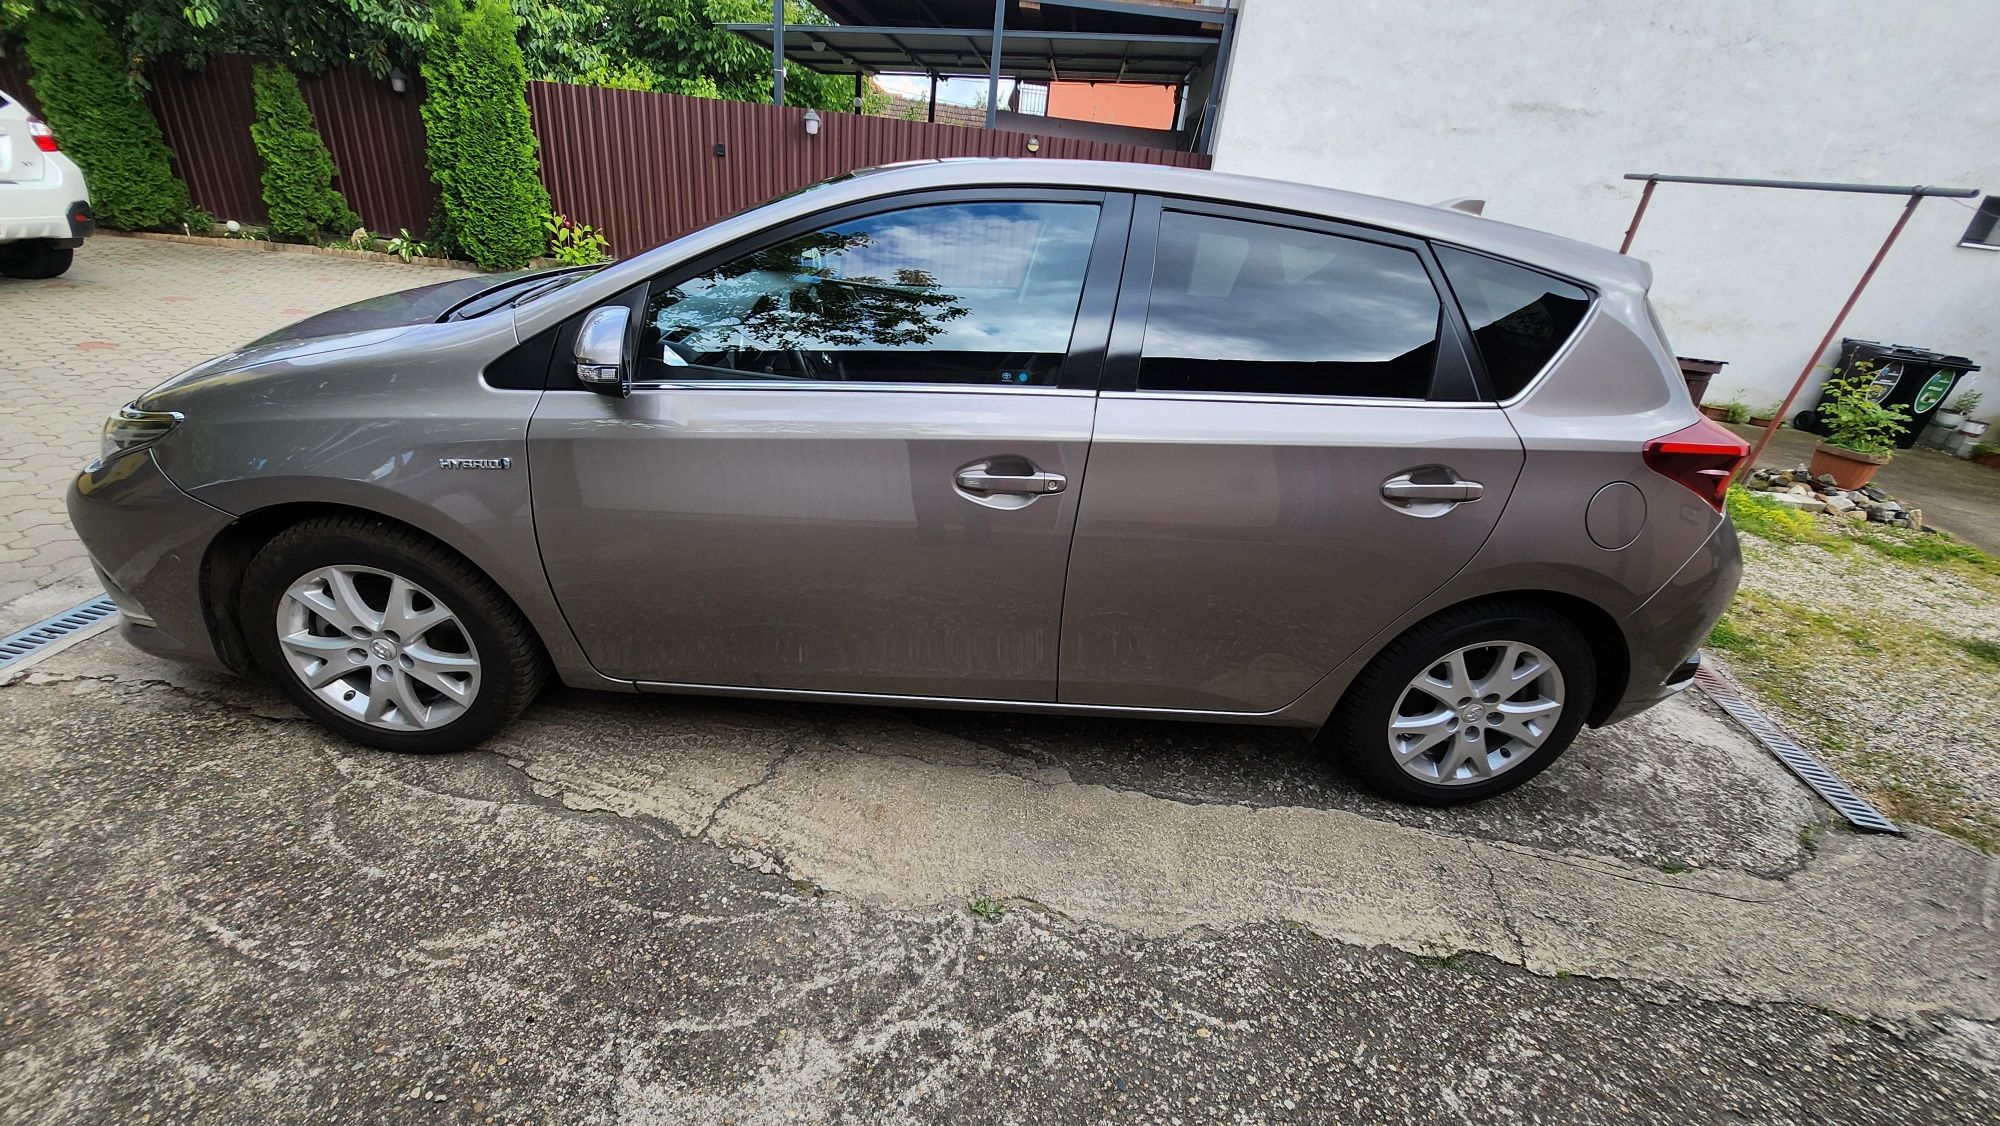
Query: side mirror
x,y
601,362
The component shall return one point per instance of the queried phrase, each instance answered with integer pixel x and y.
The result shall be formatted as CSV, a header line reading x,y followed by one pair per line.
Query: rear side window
x,y
1520,317
1249,308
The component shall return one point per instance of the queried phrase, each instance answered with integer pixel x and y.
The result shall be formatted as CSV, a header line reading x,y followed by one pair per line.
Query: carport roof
x,y
1077,56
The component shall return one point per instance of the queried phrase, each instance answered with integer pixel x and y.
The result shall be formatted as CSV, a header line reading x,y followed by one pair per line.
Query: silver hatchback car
x,y
1068,437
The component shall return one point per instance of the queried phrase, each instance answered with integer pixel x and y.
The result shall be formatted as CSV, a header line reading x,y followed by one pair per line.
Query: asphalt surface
x,y
214,912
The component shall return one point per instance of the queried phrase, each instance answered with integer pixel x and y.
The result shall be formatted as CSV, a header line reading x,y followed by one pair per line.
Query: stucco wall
x,y
1539,106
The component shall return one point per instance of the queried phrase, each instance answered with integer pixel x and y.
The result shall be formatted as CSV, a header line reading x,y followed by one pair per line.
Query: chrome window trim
x,y
1016,390
1298,400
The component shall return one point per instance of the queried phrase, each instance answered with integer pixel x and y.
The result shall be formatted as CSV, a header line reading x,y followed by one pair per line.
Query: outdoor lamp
x,y
812,123
1034,144
399,82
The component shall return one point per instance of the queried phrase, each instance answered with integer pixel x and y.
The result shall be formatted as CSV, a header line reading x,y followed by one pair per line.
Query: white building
x,y
1540,106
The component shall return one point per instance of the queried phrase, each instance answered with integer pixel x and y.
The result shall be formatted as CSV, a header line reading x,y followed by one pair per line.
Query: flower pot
x,y
1991,461
1946,419
1760,422
1716,414
1973,427
1851,469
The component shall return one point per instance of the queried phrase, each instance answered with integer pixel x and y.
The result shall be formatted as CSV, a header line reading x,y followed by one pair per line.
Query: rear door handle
x,y
979,478
1404,488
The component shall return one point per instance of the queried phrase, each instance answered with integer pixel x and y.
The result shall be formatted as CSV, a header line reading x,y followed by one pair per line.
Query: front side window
x,y
1250,308
961,293
1520,318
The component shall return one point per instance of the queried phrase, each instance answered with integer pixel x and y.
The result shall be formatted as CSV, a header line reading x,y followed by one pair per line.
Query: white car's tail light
x,y
45,137
1703,457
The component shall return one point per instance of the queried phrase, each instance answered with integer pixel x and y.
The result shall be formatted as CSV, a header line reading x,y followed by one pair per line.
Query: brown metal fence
x,y
649,167
643,167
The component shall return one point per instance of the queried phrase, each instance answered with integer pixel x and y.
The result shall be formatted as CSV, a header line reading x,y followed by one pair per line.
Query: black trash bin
x,y
1917,379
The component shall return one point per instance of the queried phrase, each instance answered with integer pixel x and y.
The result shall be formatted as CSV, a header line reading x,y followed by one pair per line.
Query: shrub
x,y
298,171
482,147
575,244
86,91
1854,420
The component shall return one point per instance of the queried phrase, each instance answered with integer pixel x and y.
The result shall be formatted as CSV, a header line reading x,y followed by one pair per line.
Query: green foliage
x,y
1986,449
405,247
1760,516
574,244
298,171
105,125
1965,402
481,145
987,908
1854,421
1735,410
309,35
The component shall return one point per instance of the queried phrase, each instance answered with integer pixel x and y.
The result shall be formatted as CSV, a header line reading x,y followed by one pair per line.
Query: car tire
x,y
315,575
1425,684
39,260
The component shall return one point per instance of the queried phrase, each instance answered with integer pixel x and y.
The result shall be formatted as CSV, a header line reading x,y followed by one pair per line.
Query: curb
x,y
261,245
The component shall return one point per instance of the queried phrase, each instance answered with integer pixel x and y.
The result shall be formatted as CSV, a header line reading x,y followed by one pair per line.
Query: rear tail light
x,y
1703,457
45,137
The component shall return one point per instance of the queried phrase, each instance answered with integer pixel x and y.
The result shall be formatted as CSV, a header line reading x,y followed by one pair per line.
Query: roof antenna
x,y
1464,203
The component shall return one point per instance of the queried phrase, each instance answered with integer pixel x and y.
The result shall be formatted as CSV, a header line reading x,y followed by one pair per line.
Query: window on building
x,y
949,293
1250,308
1520,318
1985,229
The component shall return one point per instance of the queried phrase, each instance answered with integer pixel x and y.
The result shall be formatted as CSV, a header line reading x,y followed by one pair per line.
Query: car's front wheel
x,y
1467,704
387,636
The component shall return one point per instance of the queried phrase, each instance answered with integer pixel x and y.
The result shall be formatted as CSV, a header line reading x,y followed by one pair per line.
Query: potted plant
x,y
1987,453
1860,433
1731,411
1951,414
1761,417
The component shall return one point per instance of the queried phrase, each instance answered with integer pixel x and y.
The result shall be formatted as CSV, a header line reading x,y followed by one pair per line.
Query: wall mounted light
x,y
399,81
812,123
1034,144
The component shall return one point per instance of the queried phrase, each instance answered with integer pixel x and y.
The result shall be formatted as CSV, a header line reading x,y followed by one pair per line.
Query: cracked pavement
x,y
658,909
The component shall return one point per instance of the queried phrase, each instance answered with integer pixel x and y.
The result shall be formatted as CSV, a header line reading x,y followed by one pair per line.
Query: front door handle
x,y
1402,488
980,478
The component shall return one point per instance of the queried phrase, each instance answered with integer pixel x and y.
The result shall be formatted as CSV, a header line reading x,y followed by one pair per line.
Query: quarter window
x,y
1520,318
971,293
1251,308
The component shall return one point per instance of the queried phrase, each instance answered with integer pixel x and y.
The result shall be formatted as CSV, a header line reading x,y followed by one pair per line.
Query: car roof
x,y
1579,260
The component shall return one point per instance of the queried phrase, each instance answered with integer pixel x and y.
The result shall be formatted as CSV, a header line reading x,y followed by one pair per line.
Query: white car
x,y
44,205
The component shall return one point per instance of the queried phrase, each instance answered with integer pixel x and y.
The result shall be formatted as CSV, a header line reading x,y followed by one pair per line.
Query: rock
x,y
1801,474
1878,514
1798,491
1916,516
1839,503
1827,480
1857,514
1900,522
1873,493
1799,499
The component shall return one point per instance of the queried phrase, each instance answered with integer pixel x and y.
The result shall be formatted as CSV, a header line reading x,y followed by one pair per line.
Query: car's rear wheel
x,y
1467,704
35,260
387,636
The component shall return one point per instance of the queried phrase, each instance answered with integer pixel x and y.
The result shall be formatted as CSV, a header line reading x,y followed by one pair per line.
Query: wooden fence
x,y
643,167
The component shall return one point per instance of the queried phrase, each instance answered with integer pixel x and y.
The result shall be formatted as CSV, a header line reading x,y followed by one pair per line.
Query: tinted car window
x,y
1251,308
1520,317
979,293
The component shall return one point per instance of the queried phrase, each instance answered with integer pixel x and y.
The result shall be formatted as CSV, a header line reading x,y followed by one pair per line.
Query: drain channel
x,y
25,644
1797,759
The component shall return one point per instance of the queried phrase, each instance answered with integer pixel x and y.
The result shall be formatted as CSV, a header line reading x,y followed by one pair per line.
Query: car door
x,y
1288,455
851,459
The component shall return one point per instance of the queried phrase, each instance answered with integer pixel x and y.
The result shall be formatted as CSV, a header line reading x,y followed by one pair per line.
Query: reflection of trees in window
x,y
819,309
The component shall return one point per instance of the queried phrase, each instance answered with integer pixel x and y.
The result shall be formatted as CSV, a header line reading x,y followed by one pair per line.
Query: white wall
x,y
1540,106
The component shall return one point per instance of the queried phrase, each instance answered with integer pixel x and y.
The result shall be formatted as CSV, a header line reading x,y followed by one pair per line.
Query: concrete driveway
x,y
659,910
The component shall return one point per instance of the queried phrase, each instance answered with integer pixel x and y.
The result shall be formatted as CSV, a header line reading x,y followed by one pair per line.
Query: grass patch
x,y
1803,662
987,908
1978,648
1934,550
1760,516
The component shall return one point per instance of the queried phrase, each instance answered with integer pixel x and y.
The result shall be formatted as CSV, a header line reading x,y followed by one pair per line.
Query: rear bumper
x,y
1665,634
47,207
147,540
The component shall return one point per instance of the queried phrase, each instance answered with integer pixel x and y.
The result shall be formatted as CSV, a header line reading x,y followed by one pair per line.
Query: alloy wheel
x,y
378,648
1475,713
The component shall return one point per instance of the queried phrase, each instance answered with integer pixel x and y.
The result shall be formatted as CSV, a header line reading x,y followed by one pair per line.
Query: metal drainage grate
x,y
42,634
1797,759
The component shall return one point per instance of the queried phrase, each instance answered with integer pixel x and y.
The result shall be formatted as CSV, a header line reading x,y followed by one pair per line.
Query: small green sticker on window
x,y
1933,392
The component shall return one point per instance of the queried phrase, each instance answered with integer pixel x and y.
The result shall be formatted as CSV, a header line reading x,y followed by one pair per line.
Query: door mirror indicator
x,y
601,361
